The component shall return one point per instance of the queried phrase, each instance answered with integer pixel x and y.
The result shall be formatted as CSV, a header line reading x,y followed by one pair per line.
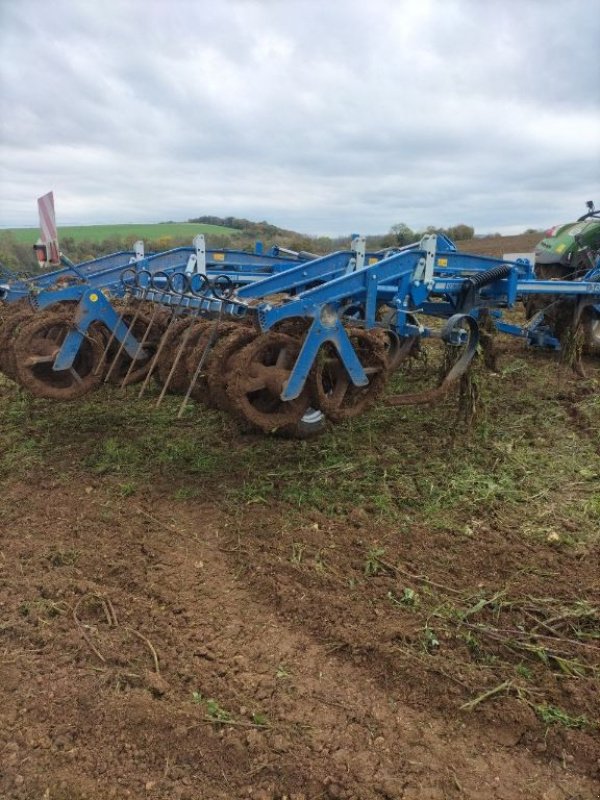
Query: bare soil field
x,y
497,246
406,608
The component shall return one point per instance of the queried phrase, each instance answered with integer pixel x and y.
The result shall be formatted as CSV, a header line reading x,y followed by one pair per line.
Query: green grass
x,y
522,461
527,467
148,231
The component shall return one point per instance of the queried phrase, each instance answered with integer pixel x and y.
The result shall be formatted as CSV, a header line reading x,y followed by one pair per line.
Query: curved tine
x,y
185,287
204,285
222,287
209,345
124,280
140,346
184,340
133,321
160,347
283,358
144,338
135,283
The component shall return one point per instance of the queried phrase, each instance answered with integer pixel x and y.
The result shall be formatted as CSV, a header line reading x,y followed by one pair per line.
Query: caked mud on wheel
x,y
36,348
13,321
220,363
331,387
398,349
206,358
258,376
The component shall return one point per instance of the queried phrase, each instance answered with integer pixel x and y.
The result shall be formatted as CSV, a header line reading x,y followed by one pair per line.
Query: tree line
x,y
21,257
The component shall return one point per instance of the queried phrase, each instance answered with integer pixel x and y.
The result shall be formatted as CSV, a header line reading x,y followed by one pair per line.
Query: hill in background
x,y
85,242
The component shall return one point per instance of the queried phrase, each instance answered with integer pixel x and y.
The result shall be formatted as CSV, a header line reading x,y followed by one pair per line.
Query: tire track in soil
x,y
74,727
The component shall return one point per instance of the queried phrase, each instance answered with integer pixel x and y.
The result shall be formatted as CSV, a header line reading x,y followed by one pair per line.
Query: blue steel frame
x,y
324,290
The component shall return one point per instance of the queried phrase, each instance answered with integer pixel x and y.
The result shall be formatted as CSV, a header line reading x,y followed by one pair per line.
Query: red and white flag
x,y
48,227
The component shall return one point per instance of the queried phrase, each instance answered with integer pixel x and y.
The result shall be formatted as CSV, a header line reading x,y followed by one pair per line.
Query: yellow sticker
x,y
373,261
442,262
219,256
560,248
93,298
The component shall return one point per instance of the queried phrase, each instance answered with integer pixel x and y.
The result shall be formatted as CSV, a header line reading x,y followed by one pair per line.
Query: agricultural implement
x,y
282,342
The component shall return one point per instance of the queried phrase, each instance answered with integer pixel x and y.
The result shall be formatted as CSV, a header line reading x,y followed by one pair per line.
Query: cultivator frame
x,y
301,338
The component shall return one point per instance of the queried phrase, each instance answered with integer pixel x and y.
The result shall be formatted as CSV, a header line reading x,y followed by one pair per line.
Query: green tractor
x,y
568,252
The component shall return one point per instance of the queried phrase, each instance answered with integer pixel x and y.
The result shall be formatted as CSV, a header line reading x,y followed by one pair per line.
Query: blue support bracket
x,y
93,307
320,332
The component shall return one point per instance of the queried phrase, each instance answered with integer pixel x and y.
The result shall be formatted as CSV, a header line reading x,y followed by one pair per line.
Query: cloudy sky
x,y
325,116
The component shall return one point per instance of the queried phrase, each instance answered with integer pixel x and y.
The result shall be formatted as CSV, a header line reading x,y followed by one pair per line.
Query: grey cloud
x,y
323,117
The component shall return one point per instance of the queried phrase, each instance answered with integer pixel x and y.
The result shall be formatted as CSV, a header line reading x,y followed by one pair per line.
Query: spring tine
x,y
159,349
203,357
140,346
122,344
184,340
111,339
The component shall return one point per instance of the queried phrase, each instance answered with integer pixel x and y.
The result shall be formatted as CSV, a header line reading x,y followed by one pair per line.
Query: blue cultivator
x,y
281,343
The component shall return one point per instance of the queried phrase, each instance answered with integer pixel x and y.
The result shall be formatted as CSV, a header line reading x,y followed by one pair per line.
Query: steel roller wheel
x,y
331,387
12,322
258,376
220,363
8,335
203,356
36,348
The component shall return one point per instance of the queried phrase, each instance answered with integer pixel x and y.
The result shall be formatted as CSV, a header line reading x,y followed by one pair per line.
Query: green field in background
x,y
98,233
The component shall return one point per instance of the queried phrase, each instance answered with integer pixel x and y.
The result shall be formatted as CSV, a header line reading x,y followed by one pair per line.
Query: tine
x,y
203,357
111,339
140,346
184,340
122,344
159,350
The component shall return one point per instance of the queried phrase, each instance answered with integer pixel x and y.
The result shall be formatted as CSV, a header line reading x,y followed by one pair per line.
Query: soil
x,y
117,616
194,650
